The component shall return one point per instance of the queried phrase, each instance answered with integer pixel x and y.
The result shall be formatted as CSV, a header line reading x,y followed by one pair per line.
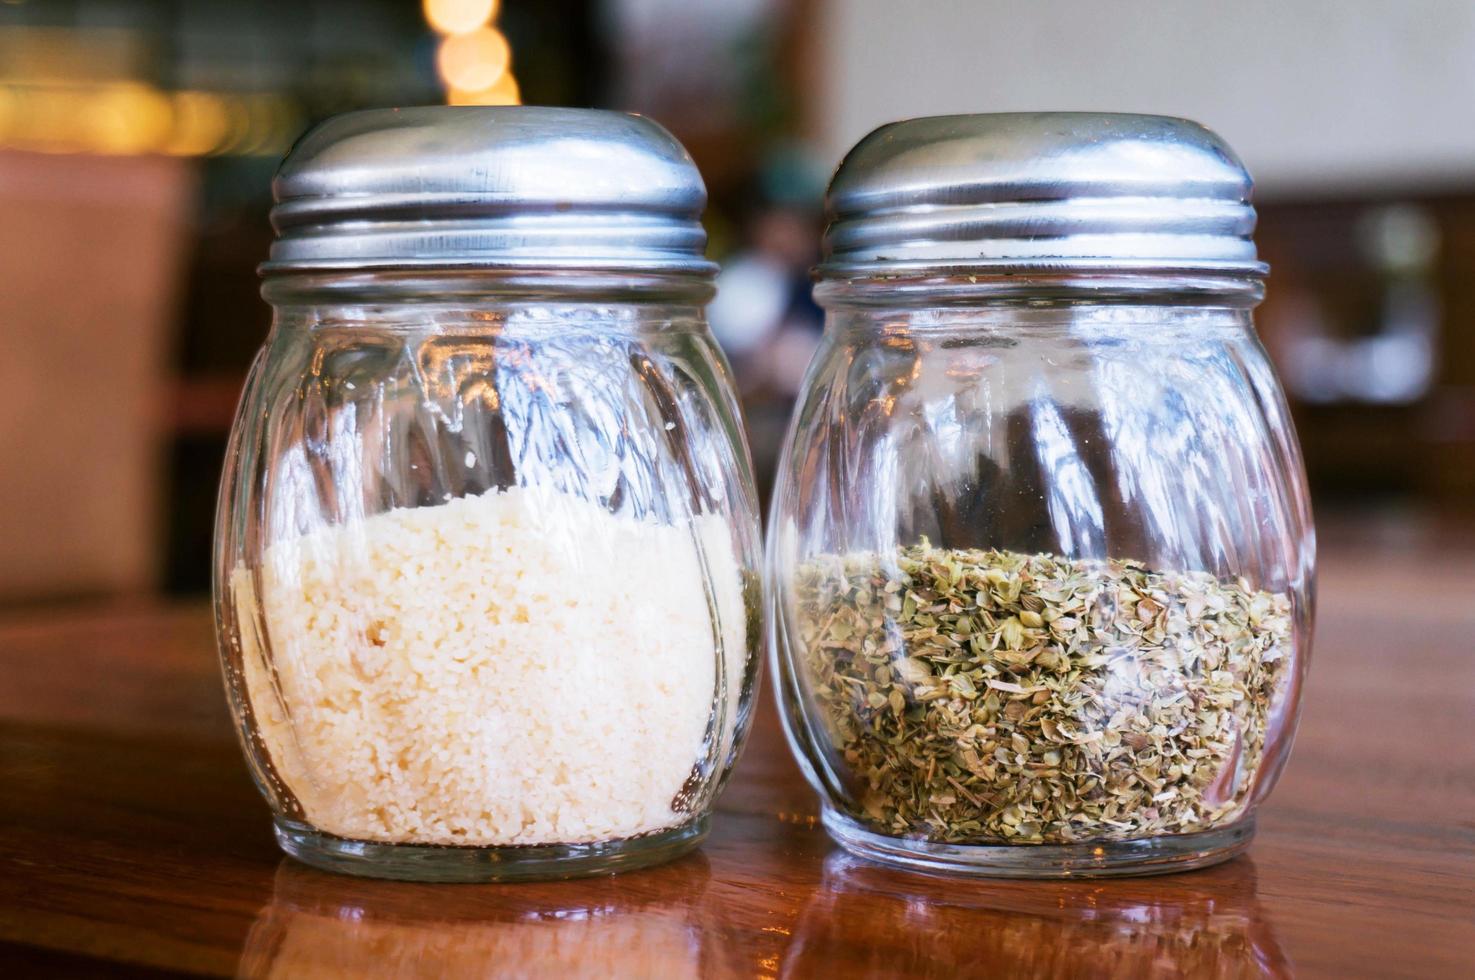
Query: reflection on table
x,y
1210,925
654,924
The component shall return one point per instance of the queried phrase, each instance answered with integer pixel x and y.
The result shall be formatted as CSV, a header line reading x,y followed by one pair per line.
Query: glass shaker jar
x,y
486,548
1040,556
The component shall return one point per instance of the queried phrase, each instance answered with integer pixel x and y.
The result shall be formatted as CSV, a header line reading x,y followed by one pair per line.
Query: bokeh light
x,y
504,92
201,123
127,118
459,16
475,61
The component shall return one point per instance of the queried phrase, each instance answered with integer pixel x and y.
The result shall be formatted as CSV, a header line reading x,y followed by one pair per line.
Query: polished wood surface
x,y
132,841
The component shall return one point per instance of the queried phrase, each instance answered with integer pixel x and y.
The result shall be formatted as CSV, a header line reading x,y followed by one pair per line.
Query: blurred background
x,y
138,139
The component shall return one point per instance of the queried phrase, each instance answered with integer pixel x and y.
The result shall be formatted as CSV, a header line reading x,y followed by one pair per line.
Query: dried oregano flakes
x,y
988,696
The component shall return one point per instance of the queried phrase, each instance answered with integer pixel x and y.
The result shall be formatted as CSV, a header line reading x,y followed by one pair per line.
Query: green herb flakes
x,y
989,696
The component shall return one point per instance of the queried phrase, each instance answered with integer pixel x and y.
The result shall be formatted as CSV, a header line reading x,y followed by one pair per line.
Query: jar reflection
x,y
643,925
868,921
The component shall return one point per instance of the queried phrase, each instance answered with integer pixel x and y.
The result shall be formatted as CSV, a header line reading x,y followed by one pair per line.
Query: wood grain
x,y
133,843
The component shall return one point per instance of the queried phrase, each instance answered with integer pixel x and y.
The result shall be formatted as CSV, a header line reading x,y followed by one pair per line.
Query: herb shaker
x,y
485,556
1040,560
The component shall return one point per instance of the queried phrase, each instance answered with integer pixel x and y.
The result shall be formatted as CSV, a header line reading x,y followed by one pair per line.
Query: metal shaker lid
x,y
520,187
1040,192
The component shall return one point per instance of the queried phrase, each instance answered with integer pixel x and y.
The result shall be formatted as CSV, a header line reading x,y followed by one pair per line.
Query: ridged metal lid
x,y
1040,192
520,187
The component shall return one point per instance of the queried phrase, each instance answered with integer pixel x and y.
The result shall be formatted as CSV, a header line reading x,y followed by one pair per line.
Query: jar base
x,y
1099,859
432,863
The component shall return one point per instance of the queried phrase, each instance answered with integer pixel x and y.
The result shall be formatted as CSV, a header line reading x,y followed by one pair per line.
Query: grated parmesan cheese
x,y
520,667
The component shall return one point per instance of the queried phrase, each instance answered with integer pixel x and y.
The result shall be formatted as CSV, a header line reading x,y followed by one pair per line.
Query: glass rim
x,y
451,284
974,287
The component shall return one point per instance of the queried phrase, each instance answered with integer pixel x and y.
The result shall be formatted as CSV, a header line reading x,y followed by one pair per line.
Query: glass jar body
x,y
1040,577
485,575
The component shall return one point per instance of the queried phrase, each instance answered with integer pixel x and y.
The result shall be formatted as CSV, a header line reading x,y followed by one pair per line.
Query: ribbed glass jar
x,y
486,573
1040,555
1041,578
486,553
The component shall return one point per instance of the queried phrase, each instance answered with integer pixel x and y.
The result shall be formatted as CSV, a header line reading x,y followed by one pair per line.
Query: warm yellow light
x,y
237,126
505,92
8,107
201,124
459,16
128,118
260,124
473,62
134,118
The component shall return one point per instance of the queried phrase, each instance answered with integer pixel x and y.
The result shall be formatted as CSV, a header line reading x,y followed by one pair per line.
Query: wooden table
x,y
132,841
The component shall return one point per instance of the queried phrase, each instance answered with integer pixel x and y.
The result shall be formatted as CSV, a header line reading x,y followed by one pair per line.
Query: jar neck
x,y
1010,325
478,287
1035,290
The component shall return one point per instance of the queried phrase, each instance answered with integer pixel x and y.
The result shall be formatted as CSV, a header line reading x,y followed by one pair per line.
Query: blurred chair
x,y
91,256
